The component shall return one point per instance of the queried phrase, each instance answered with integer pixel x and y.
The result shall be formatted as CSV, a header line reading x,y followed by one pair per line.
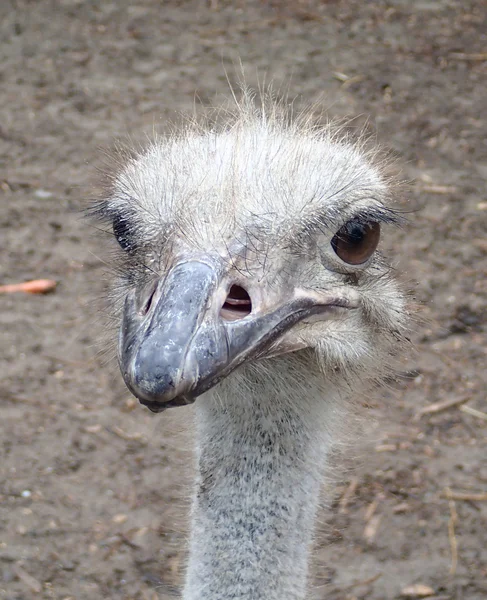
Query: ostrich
x,y
250,281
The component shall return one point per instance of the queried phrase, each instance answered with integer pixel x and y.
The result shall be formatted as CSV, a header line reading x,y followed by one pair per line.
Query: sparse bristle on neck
x,y
261,452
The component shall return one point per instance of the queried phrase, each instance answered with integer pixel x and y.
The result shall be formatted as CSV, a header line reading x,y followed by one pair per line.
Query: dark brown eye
x,y
356,241
123,233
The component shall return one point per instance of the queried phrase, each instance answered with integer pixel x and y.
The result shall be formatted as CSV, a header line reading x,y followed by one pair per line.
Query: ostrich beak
x,y
178,345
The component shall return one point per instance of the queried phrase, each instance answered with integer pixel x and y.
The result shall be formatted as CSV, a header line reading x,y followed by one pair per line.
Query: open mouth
x,y
188,336
237,305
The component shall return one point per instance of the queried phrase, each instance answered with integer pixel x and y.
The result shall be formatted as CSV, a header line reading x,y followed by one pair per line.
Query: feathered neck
x,y
263,438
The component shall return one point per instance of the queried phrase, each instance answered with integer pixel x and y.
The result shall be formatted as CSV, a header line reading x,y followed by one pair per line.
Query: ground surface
x,y
91,484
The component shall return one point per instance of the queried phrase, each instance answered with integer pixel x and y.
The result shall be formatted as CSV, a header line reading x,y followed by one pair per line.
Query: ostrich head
x,y
251,282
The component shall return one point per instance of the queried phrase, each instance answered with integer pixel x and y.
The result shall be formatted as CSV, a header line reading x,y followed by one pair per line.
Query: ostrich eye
x,y
123,233
355,242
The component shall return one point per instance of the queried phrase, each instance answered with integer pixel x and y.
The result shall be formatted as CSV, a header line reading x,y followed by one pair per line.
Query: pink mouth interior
x,y
237,305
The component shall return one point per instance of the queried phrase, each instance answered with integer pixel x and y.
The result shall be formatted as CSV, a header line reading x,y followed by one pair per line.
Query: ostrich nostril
x,y
237,304
145,298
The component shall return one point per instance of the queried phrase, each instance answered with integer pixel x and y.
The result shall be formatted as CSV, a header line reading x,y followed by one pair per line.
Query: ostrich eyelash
x,y
321,224
380,214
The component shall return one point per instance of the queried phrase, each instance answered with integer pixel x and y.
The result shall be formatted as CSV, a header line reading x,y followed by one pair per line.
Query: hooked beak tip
x,y
158,407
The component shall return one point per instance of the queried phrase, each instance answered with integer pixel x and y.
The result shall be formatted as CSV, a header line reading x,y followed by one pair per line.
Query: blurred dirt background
x,y
93,486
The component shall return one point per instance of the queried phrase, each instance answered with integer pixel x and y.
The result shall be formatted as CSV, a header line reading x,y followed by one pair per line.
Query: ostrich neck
x,y
261,447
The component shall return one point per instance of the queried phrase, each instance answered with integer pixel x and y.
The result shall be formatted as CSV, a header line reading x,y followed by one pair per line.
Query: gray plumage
x,y
268,218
